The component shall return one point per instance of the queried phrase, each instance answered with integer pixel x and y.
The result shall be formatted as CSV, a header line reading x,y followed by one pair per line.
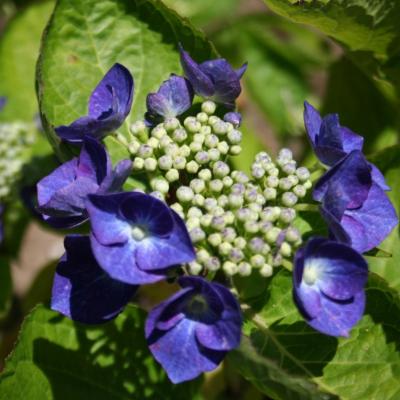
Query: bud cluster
x,y
236,222
14,139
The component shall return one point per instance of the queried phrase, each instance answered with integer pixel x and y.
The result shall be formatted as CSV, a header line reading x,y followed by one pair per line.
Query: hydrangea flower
x,y
332,142
82,290
356,208
173,98
62,194
214,79
329,280
234,118
191,332
109,105
137,238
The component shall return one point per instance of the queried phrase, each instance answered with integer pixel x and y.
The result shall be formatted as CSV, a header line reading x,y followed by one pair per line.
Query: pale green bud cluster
x,y
14,139
237,222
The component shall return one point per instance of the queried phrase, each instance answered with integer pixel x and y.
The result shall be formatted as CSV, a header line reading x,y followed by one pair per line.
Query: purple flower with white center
x,y
213,79
191,332
234,118
356,208
328,287
82,290
137,238
109,105
62,194
333,142
173,98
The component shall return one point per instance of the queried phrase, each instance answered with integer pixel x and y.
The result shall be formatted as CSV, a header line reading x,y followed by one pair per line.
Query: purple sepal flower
x,y
356,208
234,118
109,105
191,332
62,194
3,101
214,79
137,238
328,289
173,98
82,290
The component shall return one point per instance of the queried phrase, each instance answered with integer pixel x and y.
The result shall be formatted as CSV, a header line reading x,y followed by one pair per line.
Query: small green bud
x,y
202,157
289,199
211,141
224,248
289,168
235,150
236,255
272,235
216,185
206,220
228,234
223,200
138,163
172,149
270,193
223,147
153,143
192,125
179,135
266,270
205,130
171,124
219,127
133,147
121,138
165,141
257,261
240,242
214,154
197,234
199,138
192,167
202,117
192,223
286,249
292,235
177,208
213,264
184,194
307,184
229,217
234,136
197,185
205,174
172,175
158,132
198,200
215,239
194,212
235,200
273,172
137,128
287,215
227,181
184,151
165,162
244,269
202,255
179,162
300,191
303,174
160,185
150,164
285,184
251,227
277,260
208,107
195,147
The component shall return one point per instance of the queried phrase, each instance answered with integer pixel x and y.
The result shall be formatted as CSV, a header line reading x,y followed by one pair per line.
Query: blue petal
x,y
337,318
117,177
234,118
179,353
173,98
163,252
312,122
240,72
108,226
82,290
378,177
351,141
119,261
201,82
373,221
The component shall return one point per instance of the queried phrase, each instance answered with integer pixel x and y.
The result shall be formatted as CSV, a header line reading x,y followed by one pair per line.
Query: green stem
x,y
307,207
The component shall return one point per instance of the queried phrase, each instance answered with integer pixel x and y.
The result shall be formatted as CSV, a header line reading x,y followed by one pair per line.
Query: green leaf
x,y
19,49
388,161
286,359
85,38
281,57
5,286
368,29
58,359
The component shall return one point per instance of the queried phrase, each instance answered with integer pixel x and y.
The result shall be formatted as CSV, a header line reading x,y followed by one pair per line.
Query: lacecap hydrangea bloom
x,y
199,222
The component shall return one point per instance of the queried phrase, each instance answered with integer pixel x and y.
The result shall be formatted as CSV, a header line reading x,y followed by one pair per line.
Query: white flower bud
x,y
215,239
195,147
234,136
303,174
256,245
229,217
236,255
289,168
202,157
292,235
198,200
205,130
194,212
223,147
300,191
165,162
287,215
192,223
221,169
228,234
265,226
210,204
197,234
277,260
211,141
208,107
273,172
270,214
205,174
229,268
262,156
289,199
240,177
172,175
165,141
285,249
257,261
214,154
179,135
294,180
235,150
257,171
159,132
240,242
202,117
223,200
307,184
171,124
285,184
172,149
158,195
195,268
179,162
251,227
137,128
192,125
153,143
213,264
197,185
244,269
177,208
138,163
219,127
224,248
202,255
272,182
238,188
160,185
227,181
235,200
216,185
272,235
284,156
218,223
266,271
184,151
192,167
145,151
206,220
184,194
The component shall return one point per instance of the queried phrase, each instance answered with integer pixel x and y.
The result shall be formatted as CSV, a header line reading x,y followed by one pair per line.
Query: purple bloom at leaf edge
x,y
109,105
137,238
82,291
328,285
191,332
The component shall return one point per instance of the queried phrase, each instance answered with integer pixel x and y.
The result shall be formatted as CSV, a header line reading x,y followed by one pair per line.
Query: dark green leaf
x,y
57,359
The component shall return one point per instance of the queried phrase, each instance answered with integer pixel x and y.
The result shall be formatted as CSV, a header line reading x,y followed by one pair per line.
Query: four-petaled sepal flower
x,y
329,280
62,194
191,332
173,98
213,79
137,238
109,105
82,290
